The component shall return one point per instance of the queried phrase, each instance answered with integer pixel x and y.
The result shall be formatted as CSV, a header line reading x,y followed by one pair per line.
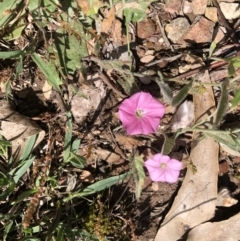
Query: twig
x,y
107,81
169,59
163,34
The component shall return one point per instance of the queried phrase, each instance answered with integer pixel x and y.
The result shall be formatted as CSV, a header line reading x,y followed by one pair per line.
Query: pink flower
x,y
141,114
163,169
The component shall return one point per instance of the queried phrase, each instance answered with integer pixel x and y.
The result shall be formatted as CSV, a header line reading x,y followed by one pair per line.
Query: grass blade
x,y
165,90
138,174
223,103
23,169
68,138
98,186
11,54
236,99
182,94
28,147
48,70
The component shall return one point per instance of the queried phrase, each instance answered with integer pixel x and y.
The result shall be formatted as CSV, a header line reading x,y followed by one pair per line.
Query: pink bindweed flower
x,y
163,169
141,114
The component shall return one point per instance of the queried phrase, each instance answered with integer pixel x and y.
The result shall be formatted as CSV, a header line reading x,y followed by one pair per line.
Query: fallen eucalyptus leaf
x,y
196,199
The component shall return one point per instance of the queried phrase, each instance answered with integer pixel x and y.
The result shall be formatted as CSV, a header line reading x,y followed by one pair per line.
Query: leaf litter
x,y
68,74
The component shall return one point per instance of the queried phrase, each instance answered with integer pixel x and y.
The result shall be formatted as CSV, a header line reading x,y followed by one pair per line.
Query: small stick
x,y
163,34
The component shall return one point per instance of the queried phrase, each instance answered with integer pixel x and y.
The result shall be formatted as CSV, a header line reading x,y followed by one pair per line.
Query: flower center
x,y
163,165
139,113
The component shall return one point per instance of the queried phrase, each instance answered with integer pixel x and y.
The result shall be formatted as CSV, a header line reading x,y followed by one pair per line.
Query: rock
x,y
177,28
199,6
227,230
200,32
211,14
230,10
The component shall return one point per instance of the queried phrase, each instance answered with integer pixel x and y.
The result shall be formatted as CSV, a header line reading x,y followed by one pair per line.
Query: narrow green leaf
x,y
3,182
23,169
212,48
236,62
24,195
8,226
223,103
98,186
182,94
19,67
11,54
75,145
7,191
138,174
134,14
68,138
28,147
232,141
236,99
8,11
76,160
48,70
165,90
231,69
169,142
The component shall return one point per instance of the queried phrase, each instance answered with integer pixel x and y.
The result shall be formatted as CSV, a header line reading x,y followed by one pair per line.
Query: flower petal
x,y
134,127
157,175
126,118
147,127
127,107
171,176
174,164
155,109
161,158
152,164
150,125
164,159
141,99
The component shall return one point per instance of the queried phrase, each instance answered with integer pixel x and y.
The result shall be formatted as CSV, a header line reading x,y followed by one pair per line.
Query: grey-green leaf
x,y
49,70
165,90
138,174
236,99
182,94
223,103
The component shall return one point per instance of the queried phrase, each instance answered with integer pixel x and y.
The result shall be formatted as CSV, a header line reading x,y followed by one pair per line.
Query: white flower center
x,y
163,165
139,113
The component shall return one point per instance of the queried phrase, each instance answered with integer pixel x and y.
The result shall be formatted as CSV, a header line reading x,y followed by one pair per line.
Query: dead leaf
x,y
47,90
145,29
88,100
108,21
108,156
184,116
147,58
89,7
17,129
86,176
224,198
